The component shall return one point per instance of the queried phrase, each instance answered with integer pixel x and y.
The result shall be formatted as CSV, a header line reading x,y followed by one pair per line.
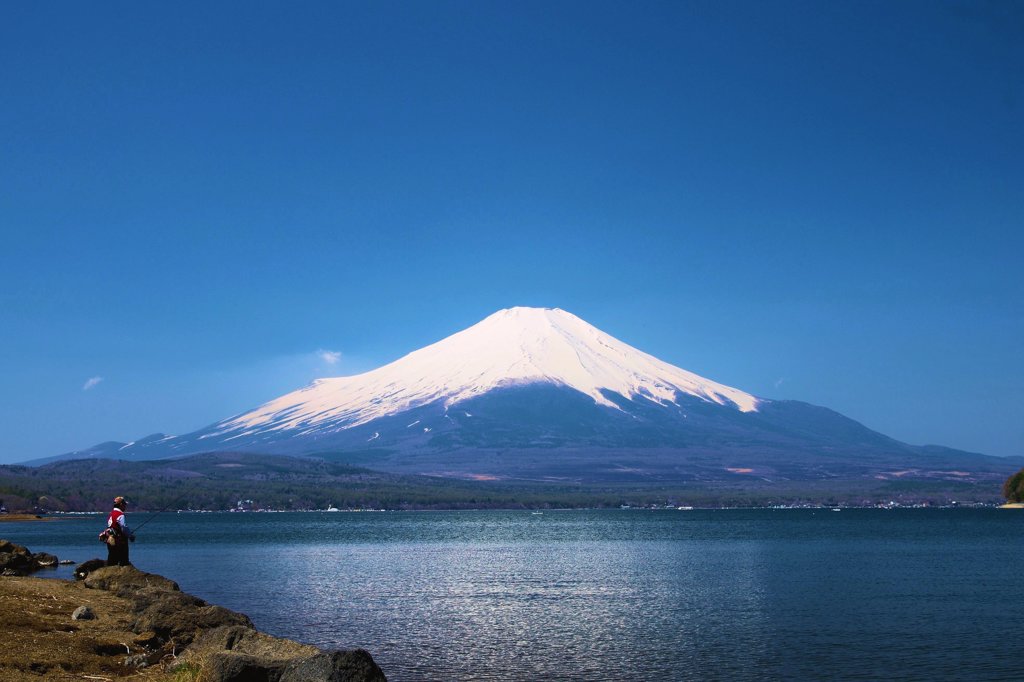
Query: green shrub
x,y
1013,489
187,672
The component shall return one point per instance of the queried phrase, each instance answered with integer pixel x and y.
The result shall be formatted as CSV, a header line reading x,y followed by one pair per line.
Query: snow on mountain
x,y
538,394
512,347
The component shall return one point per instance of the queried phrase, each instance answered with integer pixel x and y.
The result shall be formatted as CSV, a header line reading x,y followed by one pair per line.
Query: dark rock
x,y
66,562
209,617
161,599
83,613
226,638
226,666
86,567
247,640
182,620
11,560
15,557
12,573
44,560
356,665
18,558
242,653
8,547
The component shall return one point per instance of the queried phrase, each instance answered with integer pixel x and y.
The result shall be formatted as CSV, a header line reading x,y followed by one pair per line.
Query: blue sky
x,y
816,201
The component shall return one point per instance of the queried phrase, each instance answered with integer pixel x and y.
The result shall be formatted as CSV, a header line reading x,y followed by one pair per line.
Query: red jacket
x,y
116,522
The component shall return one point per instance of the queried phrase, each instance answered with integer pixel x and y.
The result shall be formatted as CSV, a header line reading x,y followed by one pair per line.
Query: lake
x,y
915,594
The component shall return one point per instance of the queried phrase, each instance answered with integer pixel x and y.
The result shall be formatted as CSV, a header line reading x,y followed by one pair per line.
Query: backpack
x,y
112,534
109,537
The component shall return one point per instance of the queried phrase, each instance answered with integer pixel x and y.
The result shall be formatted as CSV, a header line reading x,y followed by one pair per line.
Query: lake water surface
x,y
914,594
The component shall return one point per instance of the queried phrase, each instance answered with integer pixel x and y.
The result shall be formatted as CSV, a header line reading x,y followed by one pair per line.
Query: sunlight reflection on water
x,y
608,595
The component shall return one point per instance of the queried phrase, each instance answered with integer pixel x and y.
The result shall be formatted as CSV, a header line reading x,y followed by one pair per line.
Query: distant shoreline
x,y
25,517
65,515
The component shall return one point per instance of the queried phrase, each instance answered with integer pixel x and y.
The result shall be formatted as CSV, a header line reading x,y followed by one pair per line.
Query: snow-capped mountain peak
x,y
536,394
515,346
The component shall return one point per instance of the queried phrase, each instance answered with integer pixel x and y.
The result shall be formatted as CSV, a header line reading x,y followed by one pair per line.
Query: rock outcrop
x,y
160,607
86,567
83,613
223,644
235,654
17,560
126,581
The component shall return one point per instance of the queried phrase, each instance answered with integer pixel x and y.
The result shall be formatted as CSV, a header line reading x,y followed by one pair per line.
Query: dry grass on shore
x,y
42,642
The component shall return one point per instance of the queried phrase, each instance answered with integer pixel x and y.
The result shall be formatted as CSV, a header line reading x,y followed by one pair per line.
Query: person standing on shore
x,y
117,551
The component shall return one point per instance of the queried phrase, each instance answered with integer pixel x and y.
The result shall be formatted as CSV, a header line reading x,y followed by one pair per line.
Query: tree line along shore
x,y
225,481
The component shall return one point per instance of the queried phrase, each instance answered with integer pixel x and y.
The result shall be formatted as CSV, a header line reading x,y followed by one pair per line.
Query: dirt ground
x,y
40,641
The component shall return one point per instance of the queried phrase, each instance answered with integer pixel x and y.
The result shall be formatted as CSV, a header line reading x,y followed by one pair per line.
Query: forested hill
x,y
219,481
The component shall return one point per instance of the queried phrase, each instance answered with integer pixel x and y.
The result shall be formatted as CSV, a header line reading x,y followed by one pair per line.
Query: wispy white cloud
x,y
331,357
91,383
780,381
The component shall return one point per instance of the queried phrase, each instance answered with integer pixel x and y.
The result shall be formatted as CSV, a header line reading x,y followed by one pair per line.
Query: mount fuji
x,y
532,393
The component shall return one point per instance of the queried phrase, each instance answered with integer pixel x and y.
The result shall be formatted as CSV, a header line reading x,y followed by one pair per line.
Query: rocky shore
x,y
119,622
16,560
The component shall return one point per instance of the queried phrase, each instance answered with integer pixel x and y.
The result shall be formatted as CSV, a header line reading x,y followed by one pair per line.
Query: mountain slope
x,y
533,392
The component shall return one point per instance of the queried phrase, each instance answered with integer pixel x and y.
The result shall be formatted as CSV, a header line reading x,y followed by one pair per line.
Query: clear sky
x,y
205,205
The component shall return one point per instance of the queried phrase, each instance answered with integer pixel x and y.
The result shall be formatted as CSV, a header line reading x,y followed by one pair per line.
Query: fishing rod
x,y
169,505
